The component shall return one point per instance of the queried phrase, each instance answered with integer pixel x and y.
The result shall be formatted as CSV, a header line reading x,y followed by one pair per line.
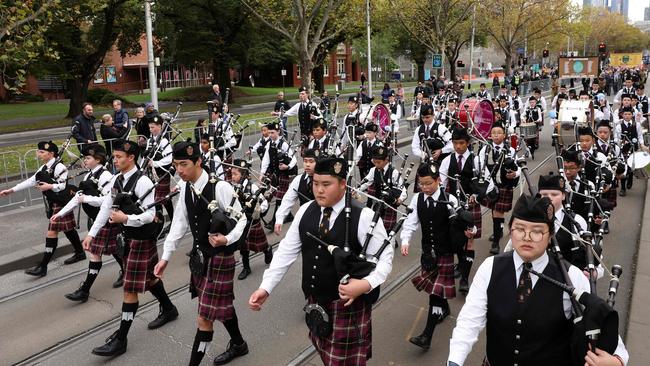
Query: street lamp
x,y
153,81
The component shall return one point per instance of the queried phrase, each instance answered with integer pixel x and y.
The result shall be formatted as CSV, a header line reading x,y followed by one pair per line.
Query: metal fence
x,y
528,87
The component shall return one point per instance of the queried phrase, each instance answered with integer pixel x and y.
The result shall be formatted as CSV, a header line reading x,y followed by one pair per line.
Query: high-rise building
x,y
620,7
646,14
594,3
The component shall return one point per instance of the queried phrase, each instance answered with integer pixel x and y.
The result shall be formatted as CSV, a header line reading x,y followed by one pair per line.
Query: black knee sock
x,y
436,308
200,347
469,260
623,184
497,225
169,207
93,271
128,314
73,236
245,259
158,290
232,326
119,261
50,248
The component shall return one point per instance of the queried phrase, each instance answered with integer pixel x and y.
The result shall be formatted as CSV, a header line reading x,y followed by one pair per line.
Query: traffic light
x,y
525,61
460,63
545,53
602,48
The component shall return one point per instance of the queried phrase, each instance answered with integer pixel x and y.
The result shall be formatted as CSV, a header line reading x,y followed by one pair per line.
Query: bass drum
x,y
573,114
378,114
480,112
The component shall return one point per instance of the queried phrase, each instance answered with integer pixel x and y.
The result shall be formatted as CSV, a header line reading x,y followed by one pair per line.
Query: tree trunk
x,y
306,72
452,69
420,66
78,95
221,76
508,62
319,82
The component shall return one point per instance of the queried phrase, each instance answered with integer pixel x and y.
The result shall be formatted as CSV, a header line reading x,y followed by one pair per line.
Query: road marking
x,y
416,321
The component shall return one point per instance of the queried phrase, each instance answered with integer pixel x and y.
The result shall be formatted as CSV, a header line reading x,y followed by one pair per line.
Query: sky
x,y
636,8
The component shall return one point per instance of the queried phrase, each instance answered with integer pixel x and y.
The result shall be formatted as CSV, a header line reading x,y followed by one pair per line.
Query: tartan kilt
x,y
163,188
63,223
256,239
283,185
350,342
610,196
139,264
388,217
215,290
503,202
475,209
443,284
106,240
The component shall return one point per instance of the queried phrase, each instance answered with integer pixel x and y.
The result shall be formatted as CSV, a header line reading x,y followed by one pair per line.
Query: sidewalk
x,y
639,323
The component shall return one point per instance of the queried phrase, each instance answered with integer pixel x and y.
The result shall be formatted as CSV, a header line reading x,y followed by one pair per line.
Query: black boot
x,y
120,280
244,273
76,257
39,271
79,295
245,261
113,347
164,317
233,351
268,255
421,341
495,249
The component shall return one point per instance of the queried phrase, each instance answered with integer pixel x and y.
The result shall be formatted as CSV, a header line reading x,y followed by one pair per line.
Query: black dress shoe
x,y
120,280
79,295
164,317
113,347
77,257
38,271
463,286
622,193
268,255
233,351
421,341
495,248
244,273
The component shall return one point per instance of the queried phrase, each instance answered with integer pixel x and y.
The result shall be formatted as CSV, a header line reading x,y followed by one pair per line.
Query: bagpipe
x,y
595,322
47,175
155,150
501,166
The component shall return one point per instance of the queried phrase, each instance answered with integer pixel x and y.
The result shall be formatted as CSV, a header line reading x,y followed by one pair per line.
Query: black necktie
x,y
525,286
430,202
460,163
120,181
324,227
309,185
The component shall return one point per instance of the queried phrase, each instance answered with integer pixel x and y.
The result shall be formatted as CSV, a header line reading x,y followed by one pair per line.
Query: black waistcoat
x,y
579,201
305,191
383,181
319,277
529,334
434,222
304,119
199,218
630,132
144,232
365,162
275,150
433,130
352,120
466,174
90,187
572,252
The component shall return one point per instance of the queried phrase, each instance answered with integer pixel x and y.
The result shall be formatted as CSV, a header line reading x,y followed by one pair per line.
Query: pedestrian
x,y
343,336
83,127
212,280
281,106
363,78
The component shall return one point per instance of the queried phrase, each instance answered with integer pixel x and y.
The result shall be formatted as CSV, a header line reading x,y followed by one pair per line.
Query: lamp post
x,y
153,81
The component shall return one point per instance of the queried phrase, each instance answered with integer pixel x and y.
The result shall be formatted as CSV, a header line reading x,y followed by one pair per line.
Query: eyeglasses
x,y
520,234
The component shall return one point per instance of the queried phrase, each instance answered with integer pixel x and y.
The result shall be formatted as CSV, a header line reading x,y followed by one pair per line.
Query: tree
x,y
513,22
304,22
22,28
439,25
595,25
83,36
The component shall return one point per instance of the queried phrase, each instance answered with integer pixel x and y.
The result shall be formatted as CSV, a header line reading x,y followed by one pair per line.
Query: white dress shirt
x,y
165,149
295,109
290,198
217,163
412,221
60,176
223,193
143,185
227,134
289,248
266,160
618,132
484,151
442,132
444,169
95,201
359,151
396,178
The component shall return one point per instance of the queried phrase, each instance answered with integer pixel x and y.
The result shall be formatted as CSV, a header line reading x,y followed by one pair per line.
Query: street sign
x,y
578,67
437,61
284,72
520,50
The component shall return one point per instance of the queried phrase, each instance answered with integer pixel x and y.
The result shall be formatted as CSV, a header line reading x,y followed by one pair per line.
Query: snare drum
x,y
646,138
528,130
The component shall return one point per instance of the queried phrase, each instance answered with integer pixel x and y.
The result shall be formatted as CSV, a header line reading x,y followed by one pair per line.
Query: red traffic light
x,y
460,63
545,53
602,48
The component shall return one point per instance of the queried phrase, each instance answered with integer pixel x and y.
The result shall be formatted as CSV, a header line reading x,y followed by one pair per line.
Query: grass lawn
x,y
30,110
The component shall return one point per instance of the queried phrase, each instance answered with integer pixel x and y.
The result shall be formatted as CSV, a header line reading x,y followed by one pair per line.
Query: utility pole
x,y
369,48
153,81
471,48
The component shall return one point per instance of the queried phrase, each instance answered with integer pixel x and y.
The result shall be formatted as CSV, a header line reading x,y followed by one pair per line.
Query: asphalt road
x,y
42,327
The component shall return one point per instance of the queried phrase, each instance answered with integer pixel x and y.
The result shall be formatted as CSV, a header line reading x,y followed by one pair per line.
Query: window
x,y
298,72
326,68
340,66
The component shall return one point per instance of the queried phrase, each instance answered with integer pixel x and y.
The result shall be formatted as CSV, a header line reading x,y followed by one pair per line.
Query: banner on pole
x,y
578,67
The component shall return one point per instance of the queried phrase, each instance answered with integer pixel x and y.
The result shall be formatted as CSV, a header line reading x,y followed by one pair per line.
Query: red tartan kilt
x,y
610,196
350,342
503,202
475,209
63,223
256,240
283,185
139,264
106,240
215,290
388,218
163,188
443,284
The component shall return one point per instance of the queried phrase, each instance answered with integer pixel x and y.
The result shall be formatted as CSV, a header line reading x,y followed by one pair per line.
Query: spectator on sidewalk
x,y
83,127
141,127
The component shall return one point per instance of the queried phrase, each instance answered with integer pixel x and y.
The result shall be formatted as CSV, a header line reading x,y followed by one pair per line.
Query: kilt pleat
x,y
216,289
256,240
139,265
503,203
63,223
106,240
440,283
